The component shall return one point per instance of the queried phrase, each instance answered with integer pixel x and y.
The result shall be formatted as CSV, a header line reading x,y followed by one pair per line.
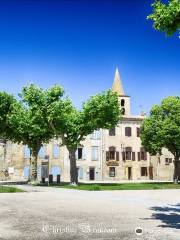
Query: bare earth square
x,y
56,213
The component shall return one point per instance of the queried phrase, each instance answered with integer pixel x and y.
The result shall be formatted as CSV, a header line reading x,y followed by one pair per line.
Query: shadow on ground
x,y
169,216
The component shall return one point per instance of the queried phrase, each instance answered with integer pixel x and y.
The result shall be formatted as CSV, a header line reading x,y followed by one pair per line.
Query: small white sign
x,y
11,170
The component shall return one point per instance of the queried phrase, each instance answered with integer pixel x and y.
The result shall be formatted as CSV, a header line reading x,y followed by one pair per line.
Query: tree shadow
x,y
169,216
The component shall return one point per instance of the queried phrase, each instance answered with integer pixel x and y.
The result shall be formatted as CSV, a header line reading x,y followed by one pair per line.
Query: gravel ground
x,y
53,213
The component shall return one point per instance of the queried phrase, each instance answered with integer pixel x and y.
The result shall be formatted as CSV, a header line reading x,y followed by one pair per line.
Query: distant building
x,y
105,155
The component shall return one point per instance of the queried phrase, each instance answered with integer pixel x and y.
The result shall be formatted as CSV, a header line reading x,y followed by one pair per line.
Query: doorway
x,y
129,173
91,173
151,173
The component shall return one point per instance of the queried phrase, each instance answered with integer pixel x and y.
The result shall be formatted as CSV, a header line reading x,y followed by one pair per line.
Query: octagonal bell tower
x,y
124,100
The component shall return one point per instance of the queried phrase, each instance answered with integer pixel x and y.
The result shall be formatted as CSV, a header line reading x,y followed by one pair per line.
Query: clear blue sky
x,y
78,44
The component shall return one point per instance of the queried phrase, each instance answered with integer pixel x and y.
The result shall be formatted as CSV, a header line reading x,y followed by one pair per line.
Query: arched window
x,y
112,151
123,111
122,102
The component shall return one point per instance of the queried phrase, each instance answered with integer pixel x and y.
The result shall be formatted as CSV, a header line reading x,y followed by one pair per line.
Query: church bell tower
x,y
124,100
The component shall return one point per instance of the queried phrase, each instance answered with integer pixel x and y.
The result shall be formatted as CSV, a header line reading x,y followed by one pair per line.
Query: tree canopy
x,y
166,16
162,128
7,102
100,111
29,120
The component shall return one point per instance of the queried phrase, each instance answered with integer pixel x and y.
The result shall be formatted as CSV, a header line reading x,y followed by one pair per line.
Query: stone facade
x,y
104,155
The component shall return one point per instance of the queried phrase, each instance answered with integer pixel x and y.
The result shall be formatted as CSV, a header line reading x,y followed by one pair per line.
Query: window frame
x,y
144,172
128,131
112,173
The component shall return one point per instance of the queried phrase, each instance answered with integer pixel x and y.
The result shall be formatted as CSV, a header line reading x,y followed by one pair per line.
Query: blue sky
x,y
78,44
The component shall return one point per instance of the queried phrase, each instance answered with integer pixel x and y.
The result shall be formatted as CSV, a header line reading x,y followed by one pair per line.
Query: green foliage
x,y
162,127
29,119
6,106
40,115
5,189
100,111
166,17
119,186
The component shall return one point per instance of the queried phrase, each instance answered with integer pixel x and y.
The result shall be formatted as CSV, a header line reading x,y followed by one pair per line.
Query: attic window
x,y
122,102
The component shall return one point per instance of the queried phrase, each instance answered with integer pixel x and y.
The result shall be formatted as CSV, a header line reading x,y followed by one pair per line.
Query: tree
x,y
6,106
166,17
100,111
29,120
162,129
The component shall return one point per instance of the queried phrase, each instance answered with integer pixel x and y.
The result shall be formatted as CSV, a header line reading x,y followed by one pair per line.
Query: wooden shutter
x,y
133,156
128,131
145,155
107,156
117,156
123,156
112,131
139,156
138,131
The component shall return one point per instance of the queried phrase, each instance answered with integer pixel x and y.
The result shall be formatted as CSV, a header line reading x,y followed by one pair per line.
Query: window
x,y
133,156
128,131
96,134
80,172
143,171
112,151
128,153
112,132
42,152
79,153
122,102
112,154
55,151
143,154
123,111
138,131
94,153
168,161
26,152
112,171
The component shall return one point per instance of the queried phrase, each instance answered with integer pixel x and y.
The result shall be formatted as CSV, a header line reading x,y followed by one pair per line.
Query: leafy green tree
x,y
162,129
30,123
100,111
6,106
166,17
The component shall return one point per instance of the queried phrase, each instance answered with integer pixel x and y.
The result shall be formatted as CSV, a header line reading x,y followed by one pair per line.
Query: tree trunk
x,y
73,167
176,170
33,168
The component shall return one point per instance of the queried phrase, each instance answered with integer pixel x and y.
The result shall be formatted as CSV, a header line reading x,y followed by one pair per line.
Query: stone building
x,y
105,155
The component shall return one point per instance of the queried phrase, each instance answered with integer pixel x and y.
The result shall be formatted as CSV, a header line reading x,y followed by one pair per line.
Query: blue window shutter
x,y
80,173
26,152
84,153
26,171
42,152
95,153
56,151
39,172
